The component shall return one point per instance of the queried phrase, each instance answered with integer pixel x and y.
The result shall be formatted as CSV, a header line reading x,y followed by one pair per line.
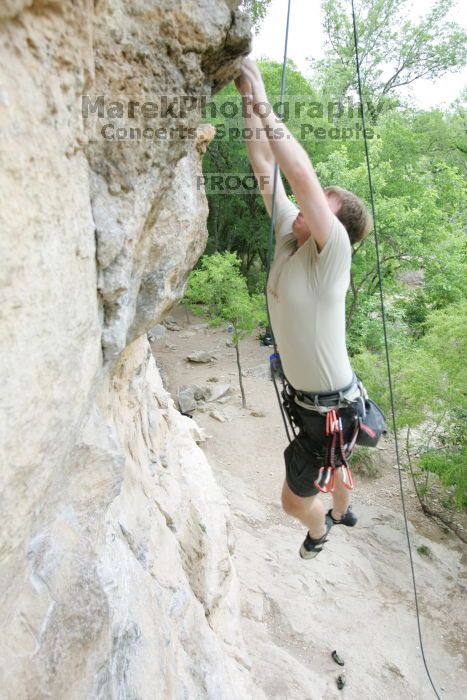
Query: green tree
x,y
429,379
257,11
395,51
218,289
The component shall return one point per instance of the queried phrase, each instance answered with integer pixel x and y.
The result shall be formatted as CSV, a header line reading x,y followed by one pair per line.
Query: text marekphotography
x,y
176,117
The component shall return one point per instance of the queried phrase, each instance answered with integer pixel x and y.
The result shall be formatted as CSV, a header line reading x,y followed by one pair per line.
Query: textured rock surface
x,y
146,52
115,571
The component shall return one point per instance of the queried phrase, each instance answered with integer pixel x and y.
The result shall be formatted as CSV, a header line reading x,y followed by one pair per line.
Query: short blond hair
x,y
352,213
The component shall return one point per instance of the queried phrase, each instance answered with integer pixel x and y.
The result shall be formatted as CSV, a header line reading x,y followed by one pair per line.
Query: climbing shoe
x,y
311,548
349,518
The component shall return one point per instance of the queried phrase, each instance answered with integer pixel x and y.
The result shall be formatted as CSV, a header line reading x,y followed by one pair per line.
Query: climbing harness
x,y
325,481
276,362
327,474
334,398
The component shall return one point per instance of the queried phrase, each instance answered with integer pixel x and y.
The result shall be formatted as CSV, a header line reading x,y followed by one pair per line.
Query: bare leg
x,y
340,497
309,511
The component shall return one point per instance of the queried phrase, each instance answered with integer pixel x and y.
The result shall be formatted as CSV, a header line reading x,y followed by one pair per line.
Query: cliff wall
x,y
116,577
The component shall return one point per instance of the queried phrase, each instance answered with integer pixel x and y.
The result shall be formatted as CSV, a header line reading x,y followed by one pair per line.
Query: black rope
x,y
271,227
386,342
276,166
283,413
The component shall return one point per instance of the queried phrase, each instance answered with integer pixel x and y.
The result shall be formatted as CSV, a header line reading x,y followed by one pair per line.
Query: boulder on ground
x,y
186,399
200,356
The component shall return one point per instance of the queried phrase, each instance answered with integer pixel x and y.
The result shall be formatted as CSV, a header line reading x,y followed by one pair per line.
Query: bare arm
x,y
259,150
293,160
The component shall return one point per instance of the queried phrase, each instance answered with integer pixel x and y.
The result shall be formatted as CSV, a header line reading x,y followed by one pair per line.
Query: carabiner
x,y
326,479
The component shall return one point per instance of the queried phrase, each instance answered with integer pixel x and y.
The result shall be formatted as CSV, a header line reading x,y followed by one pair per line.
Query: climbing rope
x,y
281,116
386,343
274,360
382,302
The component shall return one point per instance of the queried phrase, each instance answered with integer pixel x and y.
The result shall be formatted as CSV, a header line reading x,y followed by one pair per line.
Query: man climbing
x,y
306,293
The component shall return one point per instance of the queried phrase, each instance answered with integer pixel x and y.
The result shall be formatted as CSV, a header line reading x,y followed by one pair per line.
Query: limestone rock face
x,y
154,63
128,588
115,571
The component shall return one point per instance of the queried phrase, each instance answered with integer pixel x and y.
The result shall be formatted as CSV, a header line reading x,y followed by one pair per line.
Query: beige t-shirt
x,y
306,298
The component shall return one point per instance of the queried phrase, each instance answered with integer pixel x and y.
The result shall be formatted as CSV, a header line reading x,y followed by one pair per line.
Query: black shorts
x,y
307,453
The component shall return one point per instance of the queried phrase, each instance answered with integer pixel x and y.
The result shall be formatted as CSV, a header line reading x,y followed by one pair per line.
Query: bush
x,y
218,289
365,462
450,465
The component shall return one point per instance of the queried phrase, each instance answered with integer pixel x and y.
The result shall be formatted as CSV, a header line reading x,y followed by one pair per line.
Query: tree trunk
x,y
240,380
264,259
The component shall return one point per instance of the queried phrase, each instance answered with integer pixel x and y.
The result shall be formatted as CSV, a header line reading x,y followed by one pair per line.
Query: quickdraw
x,y
326,476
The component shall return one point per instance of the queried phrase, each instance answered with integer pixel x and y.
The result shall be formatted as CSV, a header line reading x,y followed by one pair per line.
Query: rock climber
x,y
306,292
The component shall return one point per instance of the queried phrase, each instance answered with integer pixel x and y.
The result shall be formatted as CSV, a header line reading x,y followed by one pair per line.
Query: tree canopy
x,y
257,10
394,49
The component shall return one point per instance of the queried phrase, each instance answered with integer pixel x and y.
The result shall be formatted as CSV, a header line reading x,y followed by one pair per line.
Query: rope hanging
x,y
271,229
386,343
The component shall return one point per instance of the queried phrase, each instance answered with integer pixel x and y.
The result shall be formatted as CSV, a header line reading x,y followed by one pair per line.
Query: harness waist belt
x,y
325,399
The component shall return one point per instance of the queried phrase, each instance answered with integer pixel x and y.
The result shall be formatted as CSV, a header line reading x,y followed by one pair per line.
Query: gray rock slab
x,y
186,399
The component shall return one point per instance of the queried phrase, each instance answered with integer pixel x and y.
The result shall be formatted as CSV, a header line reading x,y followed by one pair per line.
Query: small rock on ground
x,y
171,325
217,415
200,356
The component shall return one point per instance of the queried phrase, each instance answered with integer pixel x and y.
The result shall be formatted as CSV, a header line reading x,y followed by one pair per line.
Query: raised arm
x,y
292,158
259,151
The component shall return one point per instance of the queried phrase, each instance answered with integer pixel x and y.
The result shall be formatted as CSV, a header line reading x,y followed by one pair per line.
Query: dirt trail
x,y
355,597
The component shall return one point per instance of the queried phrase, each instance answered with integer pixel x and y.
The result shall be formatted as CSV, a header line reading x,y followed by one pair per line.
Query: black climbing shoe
x,y
310,547
349,518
